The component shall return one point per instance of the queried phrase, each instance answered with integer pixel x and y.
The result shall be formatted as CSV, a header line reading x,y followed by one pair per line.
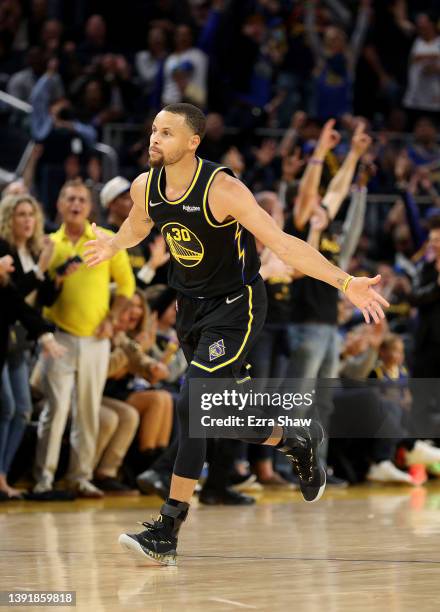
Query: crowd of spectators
x,y
251,63
349,95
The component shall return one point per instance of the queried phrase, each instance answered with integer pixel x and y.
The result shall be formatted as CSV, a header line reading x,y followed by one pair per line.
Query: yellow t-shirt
x,y
85,295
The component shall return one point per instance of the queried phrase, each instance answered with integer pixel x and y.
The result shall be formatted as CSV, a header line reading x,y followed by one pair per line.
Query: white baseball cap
x,y
113,189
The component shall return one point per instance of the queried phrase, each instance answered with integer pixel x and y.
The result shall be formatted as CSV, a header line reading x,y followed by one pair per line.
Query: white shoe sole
x,y
319,441
322,434
320,492
138,553
322,487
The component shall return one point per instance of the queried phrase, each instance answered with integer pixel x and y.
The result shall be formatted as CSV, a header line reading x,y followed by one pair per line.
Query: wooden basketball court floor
x,y
359,549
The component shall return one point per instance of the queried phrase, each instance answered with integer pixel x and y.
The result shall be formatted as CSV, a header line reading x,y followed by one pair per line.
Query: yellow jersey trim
x,y
240,350
187,192
147,191
205,201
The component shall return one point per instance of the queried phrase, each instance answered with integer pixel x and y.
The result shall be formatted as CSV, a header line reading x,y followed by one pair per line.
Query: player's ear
x,y
195,141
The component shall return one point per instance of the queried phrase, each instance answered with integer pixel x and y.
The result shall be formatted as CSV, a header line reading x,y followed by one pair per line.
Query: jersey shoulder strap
x,y
209,172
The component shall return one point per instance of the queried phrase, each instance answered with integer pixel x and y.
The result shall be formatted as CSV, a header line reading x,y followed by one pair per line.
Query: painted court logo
x,y
217,350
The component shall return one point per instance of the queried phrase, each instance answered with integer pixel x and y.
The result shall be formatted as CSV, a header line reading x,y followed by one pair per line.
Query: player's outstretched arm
x,y
135,228
230,198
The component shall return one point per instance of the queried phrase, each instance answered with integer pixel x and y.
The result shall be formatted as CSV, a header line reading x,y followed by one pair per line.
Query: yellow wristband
x,y
346,283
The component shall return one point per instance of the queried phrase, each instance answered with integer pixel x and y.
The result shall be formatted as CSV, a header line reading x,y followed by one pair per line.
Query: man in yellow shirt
x,y
84,325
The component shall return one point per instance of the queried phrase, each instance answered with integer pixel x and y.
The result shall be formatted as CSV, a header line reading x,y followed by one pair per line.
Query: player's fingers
x,y
98,232
91,252
379,298
373,313
375,280
366,315
93,261
377,307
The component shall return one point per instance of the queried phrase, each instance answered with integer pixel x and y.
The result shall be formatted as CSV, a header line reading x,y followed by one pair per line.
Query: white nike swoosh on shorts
x,y
228,301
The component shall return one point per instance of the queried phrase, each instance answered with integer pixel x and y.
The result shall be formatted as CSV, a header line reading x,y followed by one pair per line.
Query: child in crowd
x,y
416,455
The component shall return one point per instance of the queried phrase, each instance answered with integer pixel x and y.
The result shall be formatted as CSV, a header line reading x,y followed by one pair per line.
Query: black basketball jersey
x,y
208,258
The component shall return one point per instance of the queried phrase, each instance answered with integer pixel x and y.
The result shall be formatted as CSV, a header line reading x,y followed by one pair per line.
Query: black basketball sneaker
x,y
300,446
158,542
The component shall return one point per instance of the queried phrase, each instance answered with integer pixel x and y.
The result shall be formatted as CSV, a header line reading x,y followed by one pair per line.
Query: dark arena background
x,y
329,112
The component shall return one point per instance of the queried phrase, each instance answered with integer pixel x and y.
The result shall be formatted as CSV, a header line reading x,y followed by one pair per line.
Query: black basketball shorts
x,y
216,334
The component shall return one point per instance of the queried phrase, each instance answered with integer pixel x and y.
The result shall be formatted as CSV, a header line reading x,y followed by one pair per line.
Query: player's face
x,y
171,139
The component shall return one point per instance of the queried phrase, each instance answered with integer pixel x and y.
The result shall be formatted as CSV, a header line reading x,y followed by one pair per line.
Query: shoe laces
x,y
153,525
302,462
156,528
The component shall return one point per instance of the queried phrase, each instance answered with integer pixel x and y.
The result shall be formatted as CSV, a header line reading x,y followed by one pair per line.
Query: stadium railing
x,y
21,110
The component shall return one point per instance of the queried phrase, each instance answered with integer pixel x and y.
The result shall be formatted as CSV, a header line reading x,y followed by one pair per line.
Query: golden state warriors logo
x,y
184,245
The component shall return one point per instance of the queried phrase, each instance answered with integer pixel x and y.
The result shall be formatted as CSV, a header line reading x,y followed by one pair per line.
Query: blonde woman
x,y
22,237
23,242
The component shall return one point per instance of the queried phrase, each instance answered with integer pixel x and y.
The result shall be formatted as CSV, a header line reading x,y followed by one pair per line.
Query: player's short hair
x,y
194,117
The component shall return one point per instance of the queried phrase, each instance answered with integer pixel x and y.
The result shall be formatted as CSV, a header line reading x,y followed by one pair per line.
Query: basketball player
x,y
209,219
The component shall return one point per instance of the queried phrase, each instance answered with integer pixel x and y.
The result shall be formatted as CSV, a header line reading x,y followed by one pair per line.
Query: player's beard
x,y
157,162
172,158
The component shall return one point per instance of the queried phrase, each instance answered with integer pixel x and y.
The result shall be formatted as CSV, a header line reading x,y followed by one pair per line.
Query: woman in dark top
x,y
21,238
14,308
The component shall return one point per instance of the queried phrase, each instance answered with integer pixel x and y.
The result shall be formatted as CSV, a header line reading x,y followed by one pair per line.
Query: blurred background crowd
x,y
329,112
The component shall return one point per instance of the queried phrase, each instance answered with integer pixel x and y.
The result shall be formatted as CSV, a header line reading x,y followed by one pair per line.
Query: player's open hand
x,y
361,293
101,249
